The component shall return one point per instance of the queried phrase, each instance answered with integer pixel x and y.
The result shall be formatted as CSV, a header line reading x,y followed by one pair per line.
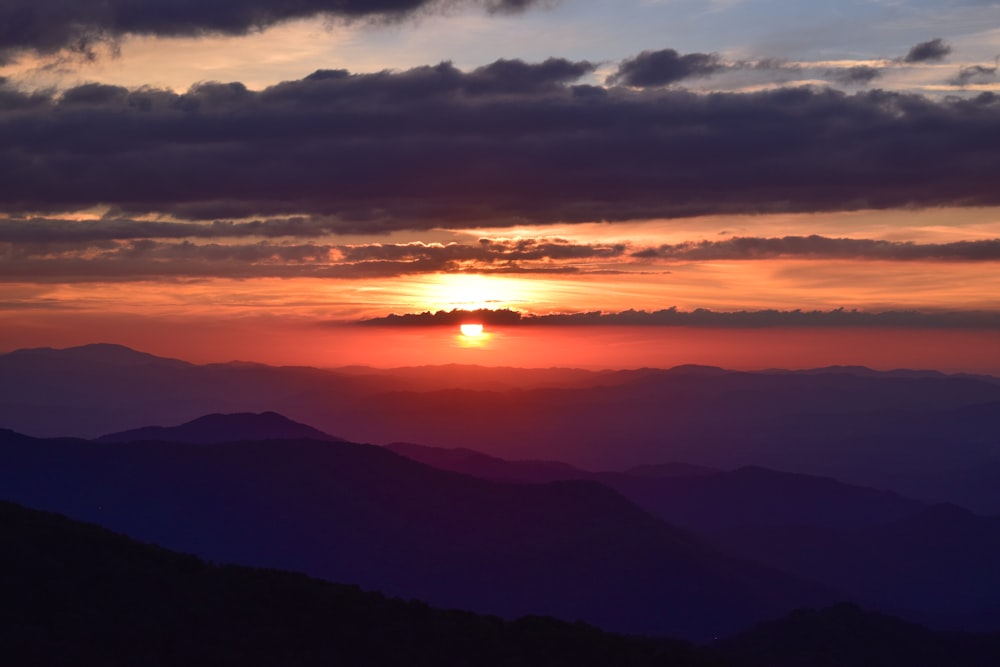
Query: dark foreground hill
x,y
363,515
76,594
846,636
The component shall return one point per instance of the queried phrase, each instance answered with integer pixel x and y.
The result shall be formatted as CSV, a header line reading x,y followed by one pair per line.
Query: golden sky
x,y
273,180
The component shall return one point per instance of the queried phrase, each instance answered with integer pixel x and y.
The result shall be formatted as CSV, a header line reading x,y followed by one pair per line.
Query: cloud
x,y
147,258
487,251
974,74
745,319
820,247
508,143
47,26
38,230
659,68
932,50
856,75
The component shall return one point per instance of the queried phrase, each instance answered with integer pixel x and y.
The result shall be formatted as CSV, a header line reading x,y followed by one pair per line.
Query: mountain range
x,y
934,563
804,489
83,595
362,514
924,435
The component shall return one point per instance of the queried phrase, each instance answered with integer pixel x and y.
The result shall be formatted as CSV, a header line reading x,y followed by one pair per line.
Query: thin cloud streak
x,y
147,259
701,317
144,259
820,247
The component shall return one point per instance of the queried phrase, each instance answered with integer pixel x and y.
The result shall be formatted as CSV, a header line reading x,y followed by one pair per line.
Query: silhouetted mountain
x,y
76,594
940,560
212,429
847,636
87,356
673,469
921,434
701,500
364,515
477,464
935,564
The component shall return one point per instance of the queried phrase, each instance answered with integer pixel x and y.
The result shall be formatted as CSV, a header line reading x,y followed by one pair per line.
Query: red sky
x,y
165,187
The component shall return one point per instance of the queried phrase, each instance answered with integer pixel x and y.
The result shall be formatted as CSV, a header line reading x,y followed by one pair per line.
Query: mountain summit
x,y
219,428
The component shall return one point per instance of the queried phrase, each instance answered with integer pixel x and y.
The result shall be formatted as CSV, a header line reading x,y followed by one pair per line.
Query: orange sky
x,y
291,320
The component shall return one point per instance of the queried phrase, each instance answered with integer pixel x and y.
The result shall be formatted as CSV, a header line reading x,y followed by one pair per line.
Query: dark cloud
x,y
745,319
56,230
975,74
659,68
47,26
505,144
486,251
932,50
147,258
821,247
858,75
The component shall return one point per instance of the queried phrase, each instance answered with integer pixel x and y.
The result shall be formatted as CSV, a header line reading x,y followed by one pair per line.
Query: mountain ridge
x,y
218,428
364,515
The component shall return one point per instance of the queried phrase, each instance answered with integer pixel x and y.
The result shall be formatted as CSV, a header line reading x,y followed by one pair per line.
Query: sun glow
x,y
472,330
473,292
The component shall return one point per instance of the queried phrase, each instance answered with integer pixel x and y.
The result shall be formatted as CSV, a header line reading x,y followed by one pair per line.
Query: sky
x,y
755,183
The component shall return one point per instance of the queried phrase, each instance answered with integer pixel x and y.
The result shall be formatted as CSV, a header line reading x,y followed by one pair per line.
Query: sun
x,y
471,292
472,330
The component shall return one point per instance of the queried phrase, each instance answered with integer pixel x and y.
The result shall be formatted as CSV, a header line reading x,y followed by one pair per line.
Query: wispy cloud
x,y
746,319
142,259
820,247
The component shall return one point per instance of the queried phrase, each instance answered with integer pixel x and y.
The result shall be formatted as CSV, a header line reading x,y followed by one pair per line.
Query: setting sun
x,y
472,330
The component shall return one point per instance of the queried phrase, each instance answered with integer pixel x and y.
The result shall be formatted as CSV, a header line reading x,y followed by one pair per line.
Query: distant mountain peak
x,y
218,428
698,369
109,354
671,469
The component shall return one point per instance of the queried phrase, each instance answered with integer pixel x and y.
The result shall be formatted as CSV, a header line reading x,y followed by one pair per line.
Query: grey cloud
x,y
146,258
505,144
932,50
821,247
56,230
486,251
858,75
659,68
748,319
47,26
975,74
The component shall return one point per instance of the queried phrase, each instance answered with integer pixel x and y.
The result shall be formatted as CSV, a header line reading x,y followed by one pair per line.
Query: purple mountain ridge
x,y
219,428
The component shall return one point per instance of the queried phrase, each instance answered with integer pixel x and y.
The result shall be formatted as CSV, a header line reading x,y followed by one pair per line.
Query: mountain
x,y
218,428
40,359
76,594
672,469
936,562
925,435
470,462
848,636
700,499
364,515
